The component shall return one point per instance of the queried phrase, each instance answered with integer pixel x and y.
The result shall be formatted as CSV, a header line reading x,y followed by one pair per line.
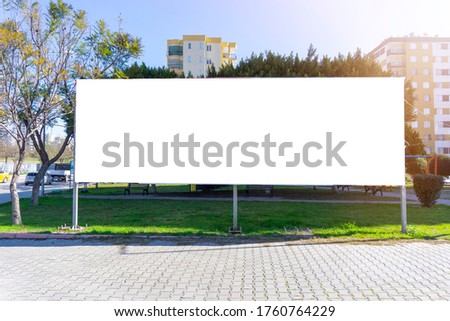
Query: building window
x,y
426,72
440,137
426,84
426,124
414,124
414,84
175,50
426,111
189,45
208,48
208,62
175,63
444,150
445,124
413,72
428,150
424,46
413,59
444,46
425,59
438,111
438,85
426,137
412,45
445,98
442,72
426,97
189,59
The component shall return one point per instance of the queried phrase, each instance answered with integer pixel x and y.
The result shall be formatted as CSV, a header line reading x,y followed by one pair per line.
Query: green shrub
x,y
416,166
408,180
443,167
428,188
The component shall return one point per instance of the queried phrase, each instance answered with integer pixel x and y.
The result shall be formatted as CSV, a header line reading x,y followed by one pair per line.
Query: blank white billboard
x,y
281,131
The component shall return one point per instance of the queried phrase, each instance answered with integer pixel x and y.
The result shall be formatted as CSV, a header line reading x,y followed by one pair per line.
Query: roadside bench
x,y
136,186
374,189
268,189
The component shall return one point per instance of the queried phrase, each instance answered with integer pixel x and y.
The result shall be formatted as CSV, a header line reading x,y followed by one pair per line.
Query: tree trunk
x,y
37,183
15,200
46,162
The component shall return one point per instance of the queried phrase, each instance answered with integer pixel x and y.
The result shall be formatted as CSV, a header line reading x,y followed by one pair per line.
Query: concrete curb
x,y
36,236
77,236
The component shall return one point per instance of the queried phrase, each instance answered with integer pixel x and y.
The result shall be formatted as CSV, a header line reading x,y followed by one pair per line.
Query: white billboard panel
x,y
282,131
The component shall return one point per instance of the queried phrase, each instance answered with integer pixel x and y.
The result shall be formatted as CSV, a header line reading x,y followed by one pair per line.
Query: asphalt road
x,y
25,191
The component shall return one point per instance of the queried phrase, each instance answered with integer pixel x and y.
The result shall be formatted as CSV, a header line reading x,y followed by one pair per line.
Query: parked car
x,y
4,177
29,179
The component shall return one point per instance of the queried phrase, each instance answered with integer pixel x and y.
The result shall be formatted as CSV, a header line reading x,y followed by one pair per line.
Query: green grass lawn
x,y
372,221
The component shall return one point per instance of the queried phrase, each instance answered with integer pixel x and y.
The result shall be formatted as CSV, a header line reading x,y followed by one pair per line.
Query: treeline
x,y
270,64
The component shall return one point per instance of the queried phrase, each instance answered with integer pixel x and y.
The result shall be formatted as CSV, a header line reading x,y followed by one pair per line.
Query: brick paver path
x,y
165,270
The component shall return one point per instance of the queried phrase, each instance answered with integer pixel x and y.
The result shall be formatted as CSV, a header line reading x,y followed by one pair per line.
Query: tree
x,y
443,165
41,56
7,149
101,54
269,64
413,142
31,68
53,148
142,71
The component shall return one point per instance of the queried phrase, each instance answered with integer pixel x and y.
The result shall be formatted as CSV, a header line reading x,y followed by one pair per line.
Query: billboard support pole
x,y
75,182
403,208
75,207
235,229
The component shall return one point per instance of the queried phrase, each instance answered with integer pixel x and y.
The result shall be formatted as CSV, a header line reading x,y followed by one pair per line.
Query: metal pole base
x,y
235,230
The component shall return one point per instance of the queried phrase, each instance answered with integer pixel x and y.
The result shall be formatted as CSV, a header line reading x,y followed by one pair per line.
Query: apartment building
x,y
194,54
426,62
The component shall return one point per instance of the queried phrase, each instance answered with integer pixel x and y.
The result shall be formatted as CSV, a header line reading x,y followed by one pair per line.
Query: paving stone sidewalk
x,y
165,269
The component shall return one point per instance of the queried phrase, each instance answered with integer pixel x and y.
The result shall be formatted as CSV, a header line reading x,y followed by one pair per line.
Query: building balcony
x,y
175,66
229,56
395,64
175,51
395,52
